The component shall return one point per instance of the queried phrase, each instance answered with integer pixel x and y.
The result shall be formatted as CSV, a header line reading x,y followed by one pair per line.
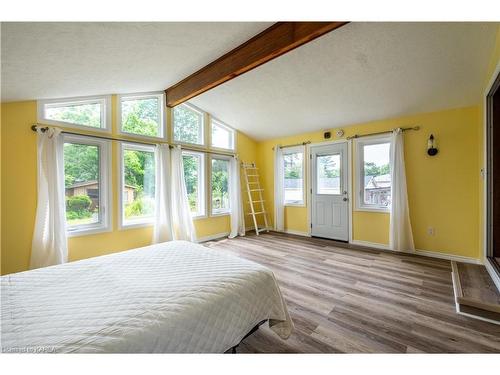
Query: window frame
x,y
139,223
202,186
203,134
360,173
209,182
288,151
145,95
104,100
105,193
226,127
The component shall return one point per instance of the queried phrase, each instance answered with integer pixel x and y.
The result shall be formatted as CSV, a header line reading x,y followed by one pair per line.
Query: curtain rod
x,y
384,132
296,144
44,129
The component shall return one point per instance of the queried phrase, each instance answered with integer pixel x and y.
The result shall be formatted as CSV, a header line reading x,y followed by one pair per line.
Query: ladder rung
x,y
256,190
258,230
257,213
253,182
255,201
252,175
255,168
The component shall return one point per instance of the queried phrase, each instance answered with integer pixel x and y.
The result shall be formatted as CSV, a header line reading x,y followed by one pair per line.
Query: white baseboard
x,y
493,273
375,245
297,232
213,237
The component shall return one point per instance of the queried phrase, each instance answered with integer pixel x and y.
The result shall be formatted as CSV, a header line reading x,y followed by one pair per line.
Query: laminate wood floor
x,y
345,300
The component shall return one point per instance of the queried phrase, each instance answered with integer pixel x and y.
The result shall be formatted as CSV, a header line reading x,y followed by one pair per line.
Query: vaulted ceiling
x,y
360,72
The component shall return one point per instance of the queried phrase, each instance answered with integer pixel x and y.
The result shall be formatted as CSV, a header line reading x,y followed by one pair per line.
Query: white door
x,y
329,192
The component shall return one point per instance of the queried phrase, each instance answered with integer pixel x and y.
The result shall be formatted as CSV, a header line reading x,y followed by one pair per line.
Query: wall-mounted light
x,y
431,146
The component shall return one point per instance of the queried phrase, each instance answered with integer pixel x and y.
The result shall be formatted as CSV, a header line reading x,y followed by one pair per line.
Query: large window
x,y
221,136
137,184
219,185
88,112
293,173
142,114
188,125
195,181
374,175
86,182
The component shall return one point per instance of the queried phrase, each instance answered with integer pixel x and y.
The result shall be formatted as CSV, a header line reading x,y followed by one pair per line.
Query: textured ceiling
x,y
51,60
360,72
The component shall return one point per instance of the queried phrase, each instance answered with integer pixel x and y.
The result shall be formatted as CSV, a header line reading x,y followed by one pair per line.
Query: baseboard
x,y
297,233
493,273
213,237
374,245
456,258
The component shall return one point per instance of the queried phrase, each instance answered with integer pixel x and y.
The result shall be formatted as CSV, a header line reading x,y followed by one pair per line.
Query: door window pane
x,y
220,185
193,175
294,182
328,174
188,125
82,184
138,185
142,116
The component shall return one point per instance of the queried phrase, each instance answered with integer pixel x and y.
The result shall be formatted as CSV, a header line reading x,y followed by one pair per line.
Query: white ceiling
x,y
360,72
52,60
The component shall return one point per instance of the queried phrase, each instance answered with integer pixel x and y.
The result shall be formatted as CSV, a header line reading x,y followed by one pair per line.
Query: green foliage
x,y
141,206
371,169
220,187
81,163
190,163
293,166
186,125
78,207
141,116
82,114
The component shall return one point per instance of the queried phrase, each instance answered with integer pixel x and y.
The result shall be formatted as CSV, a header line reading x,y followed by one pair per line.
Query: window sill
x,y
136,225
199,217
133,136
373,209
217,214
87,232
294,205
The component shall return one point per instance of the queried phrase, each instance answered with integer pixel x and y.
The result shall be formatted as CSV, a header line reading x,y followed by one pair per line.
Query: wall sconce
x,y
431,147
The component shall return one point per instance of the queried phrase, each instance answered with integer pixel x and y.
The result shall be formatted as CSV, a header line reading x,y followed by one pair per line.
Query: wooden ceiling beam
x,y
275,41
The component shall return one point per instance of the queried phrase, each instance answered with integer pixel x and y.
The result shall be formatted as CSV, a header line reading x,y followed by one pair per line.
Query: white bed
x,y
174,297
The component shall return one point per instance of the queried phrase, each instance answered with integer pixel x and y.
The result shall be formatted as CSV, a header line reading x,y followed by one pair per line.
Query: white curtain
x,y
400,234
237,215
49,245
163,224
279,209
183,227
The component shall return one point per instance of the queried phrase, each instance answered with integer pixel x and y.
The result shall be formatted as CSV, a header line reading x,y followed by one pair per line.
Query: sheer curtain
x,y
237,218
163,226
279,209
400,234
183,227
49,245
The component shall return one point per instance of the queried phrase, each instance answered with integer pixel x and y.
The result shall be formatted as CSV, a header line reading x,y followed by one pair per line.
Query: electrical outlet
x,y
431,231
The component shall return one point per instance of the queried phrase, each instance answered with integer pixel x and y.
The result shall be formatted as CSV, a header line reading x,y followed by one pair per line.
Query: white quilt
x,y
174,297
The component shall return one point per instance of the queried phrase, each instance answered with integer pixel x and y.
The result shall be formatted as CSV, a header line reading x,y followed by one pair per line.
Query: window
x,y
88,112
137,184
328,174
221,136
374,177
142,115
86,183
220,185
194,176
293,173
188,124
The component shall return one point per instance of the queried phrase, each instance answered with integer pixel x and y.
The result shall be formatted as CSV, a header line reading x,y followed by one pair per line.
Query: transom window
x,y
86,183
137,182
142,115
293,175
374,174
219,184
194,175
221,136
188,124
87,112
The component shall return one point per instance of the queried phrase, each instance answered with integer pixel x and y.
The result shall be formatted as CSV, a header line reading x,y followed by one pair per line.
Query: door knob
x,y
345,199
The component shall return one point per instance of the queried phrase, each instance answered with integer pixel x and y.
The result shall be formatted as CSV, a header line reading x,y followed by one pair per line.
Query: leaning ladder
x,y
257,207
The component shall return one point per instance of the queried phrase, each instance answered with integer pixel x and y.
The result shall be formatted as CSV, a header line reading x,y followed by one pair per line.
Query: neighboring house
x,y
378,189
91,189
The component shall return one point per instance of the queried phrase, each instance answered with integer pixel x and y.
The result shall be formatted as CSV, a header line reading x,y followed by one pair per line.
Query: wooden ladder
x,y
257,207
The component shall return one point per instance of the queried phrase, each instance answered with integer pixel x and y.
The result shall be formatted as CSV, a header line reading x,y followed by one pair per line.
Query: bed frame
x,y
233,349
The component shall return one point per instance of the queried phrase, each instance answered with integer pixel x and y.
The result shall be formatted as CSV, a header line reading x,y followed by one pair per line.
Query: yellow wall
x,y
443,190
18,163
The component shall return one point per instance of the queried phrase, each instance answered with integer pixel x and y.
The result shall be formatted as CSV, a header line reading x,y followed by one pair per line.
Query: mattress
x,y
174,297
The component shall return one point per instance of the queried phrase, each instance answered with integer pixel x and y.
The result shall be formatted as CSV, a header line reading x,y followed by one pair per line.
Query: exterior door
x,y
329,192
